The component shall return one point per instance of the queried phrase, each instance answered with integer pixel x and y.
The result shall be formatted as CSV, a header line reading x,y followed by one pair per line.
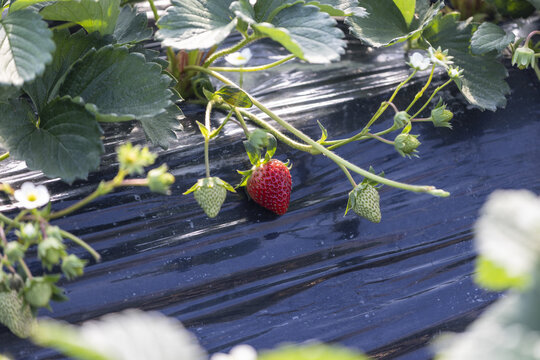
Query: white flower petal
x,y
243,352
220,356
239,58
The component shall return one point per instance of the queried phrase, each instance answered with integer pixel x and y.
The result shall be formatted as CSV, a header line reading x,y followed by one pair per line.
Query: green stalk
x,y
348,174
431,97
421,92
4,156
81,243
241,121
154,9
336,158
215,133
381,139
253,68
228,51
206,138
336,143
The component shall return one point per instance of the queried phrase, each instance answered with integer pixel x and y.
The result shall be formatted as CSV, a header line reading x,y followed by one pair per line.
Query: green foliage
x,y
117,85
26,47
312,352
195,24
338,7
303,30
386,24
515,8
131,27
495,277
92,15
234,96
490,37
482,83
161,129
65,141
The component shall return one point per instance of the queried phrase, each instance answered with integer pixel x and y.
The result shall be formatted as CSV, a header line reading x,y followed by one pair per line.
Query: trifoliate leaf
x,y
195,24
312,352
161,129
118,85
69,49
131,26
303,30
26,47
92,15
482,82
490,37
385,23
131,335
65,143
234,96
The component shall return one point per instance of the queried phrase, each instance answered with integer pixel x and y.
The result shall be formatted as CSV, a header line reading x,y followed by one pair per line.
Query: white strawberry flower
x,y
239,58
440,57
30,196
239,352
419,62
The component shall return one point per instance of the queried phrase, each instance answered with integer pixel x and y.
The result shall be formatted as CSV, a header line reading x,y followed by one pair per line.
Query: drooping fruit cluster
x,y
270,186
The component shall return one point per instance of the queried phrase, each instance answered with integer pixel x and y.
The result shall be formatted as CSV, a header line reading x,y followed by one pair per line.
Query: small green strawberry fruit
x,y
364,201
210,193
406,144
15,314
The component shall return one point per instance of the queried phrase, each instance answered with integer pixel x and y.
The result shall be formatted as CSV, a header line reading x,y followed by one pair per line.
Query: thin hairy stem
x,y
154,10
252,68
228,51
421,92
81,243
206,138
428,101
4,156
348,174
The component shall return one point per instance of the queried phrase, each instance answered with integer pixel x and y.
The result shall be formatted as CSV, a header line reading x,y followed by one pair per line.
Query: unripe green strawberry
x,y
15,314
270,186
210,193
364,201
406,144
38,292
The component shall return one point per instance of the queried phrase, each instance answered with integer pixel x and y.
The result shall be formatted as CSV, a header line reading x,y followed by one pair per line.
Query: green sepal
x,y
234,96
204,130
407,129
209,95
324,133
209,181
351,202
262,139
371,182
252,152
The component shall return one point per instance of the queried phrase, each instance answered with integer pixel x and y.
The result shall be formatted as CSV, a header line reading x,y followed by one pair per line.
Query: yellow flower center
x,y
440,56
31,197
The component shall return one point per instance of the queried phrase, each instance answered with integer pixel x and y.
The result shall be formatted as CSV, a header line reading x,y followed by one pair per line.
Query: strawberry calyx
x,y
209,182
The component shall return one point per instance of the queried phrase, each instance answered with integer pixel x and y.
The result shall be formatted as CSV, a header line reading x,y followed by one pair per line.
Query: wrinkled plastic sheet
x,y
249,276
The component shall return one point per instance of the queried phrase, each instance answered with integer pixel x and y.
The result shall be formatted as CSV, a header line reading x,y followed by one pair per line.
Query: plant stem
x,y
228,51
336,158
279,135
26,269
421,92
348,174
154,10
215,133
336,143
242,122
252,68
64,26
431,97
4,156
529,37
102,189
375,136
206,138
81,243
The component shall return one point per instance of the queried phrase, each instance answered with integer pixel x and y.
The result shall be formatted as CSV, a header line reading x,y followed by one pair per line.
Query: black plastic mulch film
x,y
249,276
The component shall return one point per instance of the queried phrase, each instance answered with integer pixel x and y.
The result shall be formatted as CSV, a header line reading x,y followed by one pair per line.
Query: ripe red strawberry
x,y
270,186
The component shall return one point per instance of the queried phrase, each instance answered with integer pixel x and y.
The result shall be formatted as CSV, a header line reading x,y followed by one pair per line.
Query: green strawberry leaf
x,y
234,96
69,49
118,85
27,47
195,24
303,30
149,54
311,352
23,4
407,8
131,26
161,129
66,143
490,37
92,15
338,7
483,83
386,24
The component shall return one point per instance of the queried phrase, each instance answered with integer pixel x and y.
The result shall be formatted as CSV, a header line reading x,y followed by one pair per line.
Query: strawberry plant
x,y
71,67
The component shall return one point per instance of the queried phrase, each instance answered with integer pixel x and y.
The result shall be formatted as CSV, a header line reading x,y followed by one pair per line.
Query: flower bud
x,y
14,251
401,119
133,159
54,232
72,266
441,117
28,233
523,57
159,180
50,251
38,292
406,144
